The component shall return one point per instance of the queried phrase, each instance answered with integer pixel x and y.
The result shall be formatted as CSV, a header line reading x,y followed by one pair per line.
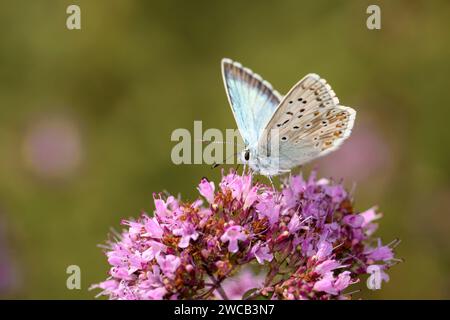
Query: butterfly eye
x,y
247,155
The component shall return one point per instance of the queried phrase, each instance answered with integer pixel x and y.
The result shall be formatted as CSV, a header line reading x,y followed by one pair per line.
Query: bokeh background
x,y
86,118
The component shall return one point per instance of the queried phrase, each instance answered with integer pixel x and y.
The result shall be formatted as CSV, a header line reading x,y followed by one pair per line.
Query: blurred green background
x,y
86,118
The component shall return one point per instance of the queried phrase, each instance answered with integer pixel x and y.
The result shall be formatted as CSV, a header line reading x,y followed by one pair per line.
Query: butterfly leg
x,y
271,182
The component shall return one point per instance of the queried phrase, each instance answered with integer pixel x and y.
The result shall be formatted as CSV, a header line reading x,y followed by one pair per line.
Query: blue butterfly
x,y
279,132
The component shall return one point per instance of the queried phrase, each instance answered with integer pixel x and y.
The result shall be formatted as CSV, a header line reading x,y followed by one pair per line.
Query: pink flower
x,y
155,249
251,197
324,250
369,216
268,208
232,235
153,228
336,193
294,224
327,266
343,281
206,189
332,285
380,253
261,253
326,284
168,264
156,294
161,208
187,232
354,220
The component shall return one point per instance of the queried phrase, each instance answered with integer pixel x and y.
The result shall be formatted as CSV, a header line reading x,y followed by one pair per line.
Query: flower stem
x,y
218,287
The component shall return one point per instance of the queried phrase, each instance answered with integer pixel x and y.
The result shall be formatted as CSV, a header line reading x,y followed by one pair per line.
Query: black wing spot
x,y
284,138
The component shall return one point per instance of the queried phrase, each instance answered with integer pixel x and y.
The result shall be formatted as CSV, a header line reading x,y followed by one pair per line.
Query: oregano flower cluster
x,y
304,241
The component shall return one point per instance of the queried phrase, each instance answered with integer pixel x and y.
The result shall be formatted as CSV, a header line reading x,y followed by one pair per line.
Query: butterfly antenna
x,y
215,165
221,142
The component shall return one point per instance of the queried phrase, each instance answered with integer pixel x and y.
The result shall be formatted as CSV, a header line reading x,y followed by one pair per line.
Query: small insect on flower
x,y
306,239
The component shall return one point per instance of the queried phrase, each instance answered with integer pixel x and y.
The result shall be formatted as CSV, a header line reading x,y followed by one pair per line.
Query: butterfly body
x,y
279,132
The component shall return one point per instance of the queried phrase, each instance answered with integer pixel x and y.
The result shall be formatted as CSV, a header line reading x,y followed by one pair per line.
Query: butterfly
x,y
281,133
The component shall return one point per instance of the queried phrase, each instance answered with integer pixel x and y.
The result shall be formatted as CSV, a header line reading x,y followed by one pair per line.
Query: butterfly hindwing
x,y
309,123
252,99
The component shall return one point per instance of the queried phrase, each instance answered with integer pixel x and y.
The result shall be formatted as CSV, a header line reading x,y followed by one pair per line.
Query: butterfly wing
x,y
252,99
308,123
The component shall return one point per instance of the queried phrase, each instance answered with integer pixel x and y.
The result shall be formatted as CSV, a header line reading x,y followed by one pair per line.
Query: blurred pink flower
x,y
236,286
52,147
365,154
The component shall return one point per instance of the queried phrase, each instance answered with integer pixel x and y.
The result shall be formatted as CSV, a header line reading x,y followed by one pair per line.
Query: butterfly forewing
x,y
308,123
252,99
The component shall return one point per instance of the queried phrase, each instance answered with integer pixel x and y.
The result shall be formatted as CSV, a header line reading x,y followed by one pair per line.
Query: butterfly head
x,y
250,157
246,155
259,163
